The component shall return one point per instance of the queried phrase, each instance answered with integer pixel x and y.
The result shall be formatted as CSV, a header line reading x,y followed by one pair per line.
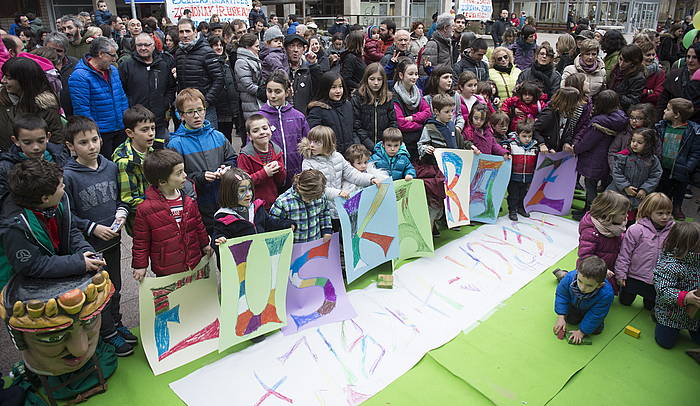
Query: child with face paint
x,y
240,213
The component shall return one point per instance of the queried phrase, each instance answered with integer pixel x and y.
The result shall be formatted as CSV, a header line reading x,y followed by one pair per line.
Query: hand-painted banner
x,y
489,182
456,165
415,239
552,187
254,273
227,10
476,9
370,228
178,316
316,264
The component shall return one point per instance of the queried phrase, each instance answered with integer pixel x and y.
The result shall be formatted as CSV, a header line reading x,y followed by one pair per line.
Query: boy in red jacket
x,y
263,160
168,229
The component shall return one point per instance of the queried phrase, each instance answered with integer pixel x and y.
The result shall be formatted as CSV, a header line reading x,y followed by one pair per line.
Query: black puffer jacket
x,y
352,67
629,88
479,68
199,67
304,80
227,105
545,75
371,120
336,115
151,85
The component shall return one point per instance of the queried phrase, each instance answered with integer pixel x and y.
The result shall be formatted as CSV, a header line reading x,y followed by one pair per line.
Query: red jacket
x,y
171,248
265,186
531,110
373,50
655,83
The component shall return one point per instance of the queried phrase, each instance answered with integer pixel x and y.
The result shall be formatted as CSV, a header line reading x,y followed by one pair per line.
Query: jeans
x,y
667,337
516,195
672,188
575,316
634,287
591,191
110,141
111,315
212,117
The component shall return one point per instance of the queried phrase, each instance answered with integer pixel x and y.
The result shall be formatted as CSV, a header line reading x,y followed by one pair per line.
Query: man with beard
x,y
71,27
59,43
387,29
458,28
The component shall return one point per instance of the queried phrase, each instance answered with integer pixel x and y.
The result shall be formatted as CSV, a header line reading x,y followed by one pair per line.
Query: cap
x,y
312,25
294,37
272,33
585,34
215,26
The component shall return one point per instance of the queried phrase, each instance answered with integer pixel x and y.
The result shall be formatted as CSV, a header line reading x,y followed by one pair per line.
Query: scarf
x,y
188,47
580,296
616,77
413,99
608,229
651,69
588,68
543,73
504,69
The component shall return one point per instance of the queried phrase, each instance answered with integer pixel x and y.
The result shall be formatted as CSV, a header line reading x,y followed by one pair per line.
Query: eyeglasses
x,y
502,58
114,55
144,45
192,113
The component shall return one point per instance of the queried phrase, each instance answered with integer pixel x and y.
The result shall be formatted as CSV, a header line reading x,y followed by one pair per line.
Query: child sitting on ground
x,y
391,155
583,298
523,149
305,206
358,156
168,229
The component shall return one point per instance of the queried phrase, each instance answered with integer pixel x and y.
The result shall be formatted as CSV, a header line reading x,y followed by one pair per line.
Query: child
x,y
583,298
523,149
467,85
592,149
528,101
262,159
440,82
305,206
318,150
240,214
637,170
91,185
358,156
140,128
584,109
273,55
641,246
480,134
256,13
681,151
37,223
500,122
676,279
412,111
373,45
206,152
332,108
561,121
102,14
486,91
392,156
31,140
168,229
288,124
373,109
641,116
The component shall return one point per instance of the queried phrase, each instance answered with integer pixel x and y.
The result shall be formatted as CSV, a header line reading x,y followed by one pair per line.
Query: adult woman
x,y
542,71
418,38
26,90
509,37
214,19
590,64
654,75
316,47
171,40
352,66
611,44
566,51
502,71
524,47
248,73
679,83
627,76
227,104
670,49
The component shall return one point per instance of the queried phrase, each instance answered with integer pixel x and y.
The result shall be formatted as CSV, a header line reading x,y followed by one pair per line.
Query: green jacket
x,y
132,182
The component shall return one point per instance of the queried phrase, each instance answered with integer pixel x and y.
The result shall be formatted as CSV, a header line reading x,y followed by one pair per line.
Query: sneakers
x,y
678,214
121,347
512,215
126,335
436,232
559,274
257,339
522,212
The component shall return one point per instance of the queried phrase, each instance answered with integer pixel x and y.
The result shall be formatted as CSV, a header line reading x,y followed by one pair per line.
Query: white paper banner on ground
x,y
476,9
432,300
228,10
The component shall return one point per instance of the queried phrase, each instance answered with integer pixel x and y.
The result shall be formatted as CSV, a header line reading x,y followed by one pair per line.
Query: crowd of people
x,y
87,151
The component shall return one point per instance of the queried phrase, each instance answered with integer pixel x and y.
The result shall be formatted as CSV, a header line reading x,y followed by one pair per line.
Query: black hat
x,y
294,37
214,26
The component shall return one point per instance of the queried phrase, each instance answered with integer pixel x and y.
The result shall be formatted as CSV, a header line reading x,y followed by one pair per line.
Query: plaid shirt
x,y
132,182
312,219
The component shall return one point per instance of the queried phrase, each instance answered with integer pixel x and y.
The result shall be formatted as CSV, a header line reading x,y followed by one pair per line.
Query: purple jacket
x,y
592,149
591,242
288,126
640,250
523,53
272,60
485,140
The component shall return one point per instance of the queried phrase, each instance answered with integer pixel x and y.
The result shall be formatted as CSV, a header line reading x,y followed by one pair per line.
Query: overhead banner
x,y
476,9
202,10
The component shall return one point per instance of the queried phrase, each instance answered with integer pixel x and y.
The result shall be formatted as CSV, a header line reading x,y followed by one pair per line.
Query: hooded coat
x,y
272,60
689,152
438,50
592,149
591,242
248,74
466,63
337,115
398,166
632,169
523,53
352,67
288,126
640,250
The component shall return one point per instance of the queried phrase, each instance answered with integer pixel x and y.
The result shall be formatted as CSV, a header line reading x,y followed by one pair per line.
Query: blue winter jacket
x,y
689,152
92,96
595,308
397,166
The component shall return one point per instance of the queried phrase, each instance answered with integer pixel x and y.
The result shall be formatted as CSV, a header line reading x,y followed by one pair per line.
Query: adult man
x,y
438,50
116,24
402,42
259,29
96,92
472,60
499,27
339,26
292,24
66,63
216,30
302,73
387,29
198,66
458,27
147,79
71,26
133,28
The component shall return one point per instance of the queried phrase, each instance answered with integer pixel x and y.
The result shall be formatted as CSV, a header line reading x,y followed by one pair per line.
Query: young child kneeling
x,y
583,297
391,155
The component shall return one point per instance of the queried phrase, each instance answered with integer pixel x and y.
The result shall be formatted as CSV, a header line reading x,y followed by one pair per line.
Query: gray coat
x,y
641,172
439,51
248,77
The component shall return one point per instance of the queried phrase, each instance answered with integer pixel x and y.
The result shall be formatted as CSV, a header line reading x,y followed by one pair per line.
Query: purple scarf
x,y
588,68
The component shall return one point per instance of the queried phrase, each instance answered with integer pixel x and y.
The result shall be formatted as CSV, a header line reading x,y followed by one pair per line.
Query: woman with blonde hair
x,y
590,64
503,71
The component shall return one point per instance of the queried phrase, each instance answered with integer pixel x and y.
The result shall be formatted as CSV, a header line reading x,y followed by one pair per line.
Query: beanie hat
x,y
369,31
272,33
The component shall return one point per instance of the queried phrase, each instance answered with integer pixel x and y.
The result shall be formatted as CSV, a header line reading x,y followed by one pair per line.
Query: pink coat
x,y
640,250
591,242
484,140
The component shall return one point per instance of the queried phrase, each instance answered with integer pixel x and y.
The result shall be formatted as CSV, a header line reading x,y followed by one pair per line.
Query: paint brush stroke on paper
x,y
489,181
179,317
370,228
415,238
316,291
254,273
455,165
553,183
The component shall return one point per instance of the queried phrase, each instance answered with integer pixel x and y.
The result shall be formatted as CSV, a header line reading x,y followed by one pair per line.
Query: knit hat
x,y
369,30
272,33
